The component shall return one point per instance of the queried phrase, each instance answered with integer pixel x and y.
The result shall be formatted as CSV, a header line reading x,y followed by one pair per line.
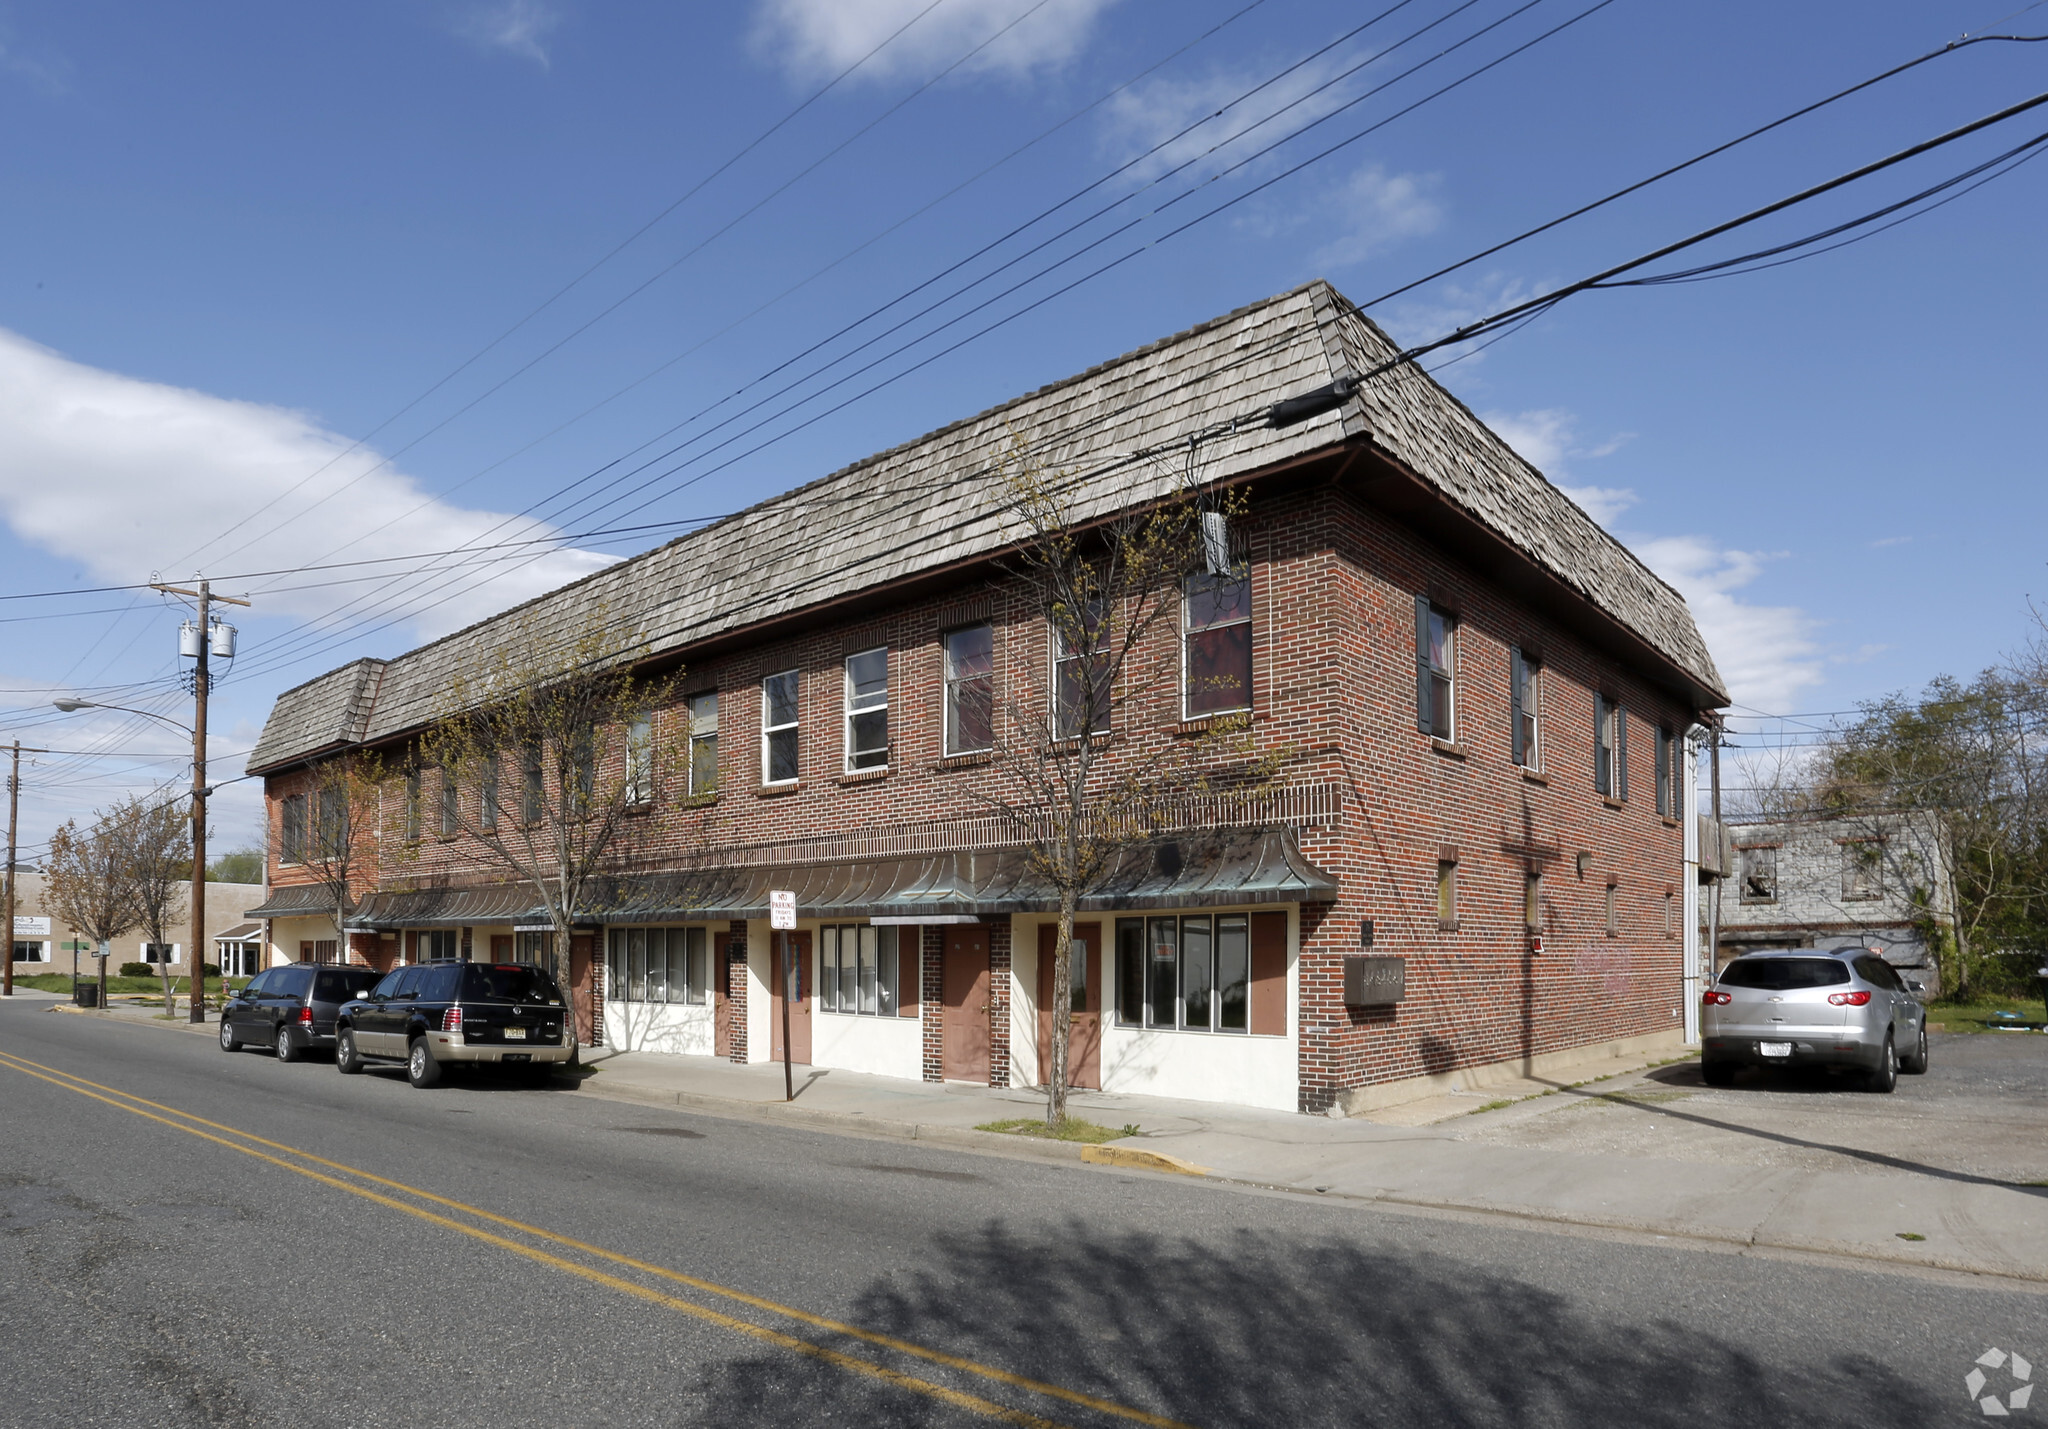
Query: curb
x,y
1134,1159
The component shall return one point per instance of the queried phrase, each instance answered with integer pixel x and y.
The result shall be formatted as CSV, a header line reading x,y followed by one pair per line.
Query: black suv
x,y
291,1009
433,1014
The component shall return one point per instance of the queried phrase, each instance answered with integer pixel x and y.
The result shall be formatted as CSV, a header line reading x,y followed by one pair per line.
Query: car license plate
x,y
518,1034
1774,1049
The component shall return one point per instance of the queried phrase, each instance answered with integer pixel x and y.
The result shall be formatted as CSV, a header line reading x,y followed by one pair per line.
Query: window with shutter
x,y
1435,664
1523,723
1603,746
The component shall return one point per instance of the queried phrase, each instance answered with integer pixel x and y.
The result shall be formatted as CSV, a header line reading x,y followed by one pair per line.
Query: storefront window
x,y
671,965
1191,973
857,970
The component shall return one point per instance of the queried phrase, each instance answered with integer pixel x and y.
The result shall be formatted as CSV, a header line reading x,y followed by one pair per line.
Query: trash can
x,y
87,994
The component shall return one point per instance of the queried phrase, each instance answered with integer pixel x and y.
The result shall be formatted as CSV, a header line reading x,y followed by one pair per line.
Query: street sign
x,y
29,926
781,909
75,946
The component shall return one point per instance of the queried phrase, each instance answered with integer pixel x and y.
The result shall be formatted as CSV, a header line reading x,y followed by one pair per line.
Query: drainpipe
x,y
1720,849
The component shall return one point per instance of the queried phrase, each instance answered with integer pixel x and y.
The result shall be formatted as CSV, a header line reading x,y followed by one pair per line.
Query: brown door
x,y
501,947
582,948
1084,1041
800,1010
965,989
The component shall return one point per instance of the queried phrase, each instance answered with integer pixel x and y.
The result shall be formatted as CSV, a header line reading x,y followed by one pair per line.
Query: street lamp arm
x,y
68,705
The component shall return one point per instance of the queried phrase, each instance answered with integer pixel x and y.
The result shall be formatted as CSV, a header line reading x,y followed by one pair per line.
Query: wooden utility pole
x,y
13,816
195,953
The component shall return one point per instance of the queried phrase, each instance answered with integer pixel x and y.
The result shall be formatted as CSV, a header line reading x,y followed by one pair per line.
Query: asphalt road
x,y
154,1271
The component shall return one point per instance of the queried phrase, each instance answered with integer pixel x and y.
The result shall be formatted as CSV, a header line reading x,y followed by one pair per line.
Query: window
x,y
333,819
1610,749
1670,911
1192,973
1613,912
1863,869
857,970
1523,724
1669,751
1447,895
970,689
867,710
1436,662
703,743
1081,682
659,965
582,771
411,815
437,945
1217,661
451,805
640,761
159,952
29,952
1759,875
1532,901
291,841
533,801
778,728
487,794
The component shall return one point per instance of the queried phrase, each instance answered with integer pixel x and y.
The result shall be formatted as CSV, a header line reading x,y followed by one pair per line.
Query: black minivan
x,y
291,1009
431,1015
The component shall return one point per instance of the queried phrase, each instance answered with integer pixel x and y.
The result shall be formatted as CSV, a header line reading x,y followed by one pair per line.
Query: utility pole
x,y
13,815
195,954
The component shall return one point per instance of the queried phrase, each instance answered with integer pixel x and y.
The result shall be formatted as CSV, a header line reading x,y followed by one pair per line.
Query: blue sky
x,y
245,242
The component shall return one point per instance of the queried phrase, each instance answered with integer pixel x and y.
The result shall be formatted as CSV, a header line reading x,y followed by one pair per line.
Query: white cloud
x,y
1154,112
1548,438
127,477
1879,545
1374,210
516,26
816,39
50,73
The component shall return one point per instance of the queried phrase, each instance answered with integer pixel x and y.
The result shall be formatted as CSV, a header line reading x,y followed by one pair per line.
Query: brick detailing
x,y
999,1003
736,985
931,1005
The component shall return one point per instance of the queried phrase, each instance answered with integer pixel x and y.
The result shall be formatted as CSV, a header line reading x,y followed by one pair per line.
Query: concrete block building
x,y
1477,852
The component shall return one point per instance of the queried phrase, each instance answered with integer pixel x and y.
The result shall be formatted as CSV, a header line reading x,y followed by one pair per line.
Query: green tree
x,y
242,865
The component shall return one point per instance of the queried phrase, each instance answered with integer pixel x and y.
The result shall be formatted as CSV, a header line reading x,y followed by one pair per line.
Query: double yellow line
x,y
385,1192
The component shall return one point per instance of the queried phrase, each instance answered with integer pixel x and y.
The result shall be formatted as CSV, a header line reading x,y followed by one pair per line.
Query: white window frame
x,y
949,742
851,709
1188,633
149,950
627,976
1427,613
1526,703
640,760
795,725
884,999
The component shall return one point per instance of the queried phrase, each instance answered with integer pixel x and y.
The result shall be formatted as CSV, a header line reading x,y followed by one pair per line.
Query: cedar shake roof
x,y
931,504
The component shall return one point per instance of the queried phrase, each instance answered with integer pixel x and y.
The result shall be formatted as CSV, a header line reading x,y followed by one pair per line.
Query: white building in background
x,y
42,939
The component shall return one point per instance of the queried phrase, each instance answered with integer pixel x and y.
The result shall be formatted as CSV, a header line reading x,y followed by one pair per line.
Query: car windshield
x,y
1784,974
507,983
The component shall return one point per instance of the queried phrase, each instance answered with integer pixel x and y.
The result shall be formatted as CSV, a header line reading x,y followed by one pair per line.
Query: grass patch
x,y
1911,1235
61,983
1492,1106
1976,1015
1072,1129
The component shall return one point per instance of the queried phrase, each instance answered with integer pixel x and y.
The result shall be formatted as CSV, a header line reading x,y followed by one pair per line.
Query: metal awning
x,y
1222,868
301,900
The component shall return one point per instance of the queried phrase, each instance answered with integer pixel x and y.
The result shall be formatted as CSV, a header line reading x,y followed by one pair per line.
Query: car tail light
x,y
1849,999
451,1020
306,1013
1716,999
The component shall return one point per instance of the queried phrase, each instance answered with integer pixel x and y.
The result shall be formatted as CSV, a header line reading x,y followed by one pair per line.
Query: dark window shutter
x,y
1677,776
1621,753
1515,740
1425,719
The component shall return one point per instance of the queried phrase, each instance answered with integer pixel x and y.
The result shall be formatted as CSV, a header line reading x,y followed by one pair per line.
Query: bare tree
x,y
88,885
330,830
155,858
544,753
1087,770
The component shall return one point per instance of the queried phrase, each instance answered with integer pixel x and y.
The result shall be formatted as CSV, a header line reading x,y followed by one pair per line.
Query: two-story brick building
x,y
1486,706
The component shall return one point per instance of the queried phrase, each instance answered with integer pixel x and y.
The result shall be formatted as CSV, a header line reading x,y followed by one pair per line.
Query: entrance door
x,y
965,989
800,1010
1084,1041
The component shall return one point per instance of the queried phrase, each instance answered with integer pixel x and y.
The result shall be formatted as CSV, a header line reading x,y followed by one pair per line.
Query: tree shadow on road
x,y
1262,1330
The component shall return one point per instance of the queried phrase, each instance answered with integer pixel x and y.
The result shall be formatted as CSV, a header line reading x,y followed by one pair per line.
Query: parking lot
x,y
1980,1113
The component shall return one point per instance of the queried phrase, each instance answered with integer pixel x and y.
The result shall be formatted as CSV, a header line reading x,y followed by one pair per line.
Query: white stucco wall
x,y
659,1027
885,1046
759,1014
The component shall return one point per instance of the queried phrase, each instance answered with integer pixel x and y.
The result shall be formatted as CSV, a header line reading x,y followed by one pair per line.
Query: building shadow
x,y
1263,1329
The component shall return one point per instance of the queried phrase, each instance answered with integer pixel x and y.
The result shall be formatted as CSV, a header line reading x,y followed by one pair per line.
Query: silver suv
x,y
1824,1007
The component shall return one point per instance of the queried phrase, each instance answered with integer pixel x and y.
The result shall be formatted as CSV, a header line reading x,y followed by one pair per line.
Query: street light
x,y
196,952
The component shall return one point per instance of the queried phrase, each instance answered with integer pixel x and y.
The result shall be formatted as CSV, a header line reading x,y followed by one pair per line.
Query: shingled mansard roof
x,y
933,503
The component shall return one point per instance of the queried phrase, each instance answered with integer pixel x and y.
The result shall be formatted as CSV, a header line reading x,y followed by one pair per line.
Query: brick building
x,y
1486,703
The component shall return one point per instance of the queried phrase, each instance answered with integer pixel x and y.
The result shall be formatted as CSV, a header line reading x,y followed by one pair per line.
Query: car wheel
x,y
289,1047
347,1060
420,1067
1718,1074
229,1042
1917,1063
1885,1075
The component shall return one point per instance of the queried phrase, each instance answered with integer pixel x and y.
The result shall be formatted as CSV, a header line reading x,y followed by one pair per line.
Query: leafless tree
x,y
155,858
331,832
88,884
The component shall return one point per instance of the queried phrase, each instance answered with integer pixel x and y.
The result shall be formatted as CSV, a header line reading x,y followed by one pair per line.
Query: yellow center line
x,y
889,1342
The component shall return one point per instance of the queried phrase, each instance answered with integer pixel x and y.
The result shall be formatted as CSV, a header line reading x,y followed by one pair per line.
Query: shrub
x,y
209,969
138,970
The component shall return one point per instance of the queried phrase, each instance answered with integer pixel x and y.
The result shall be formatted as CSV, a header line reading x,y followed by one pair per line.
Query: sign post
x,y
782,919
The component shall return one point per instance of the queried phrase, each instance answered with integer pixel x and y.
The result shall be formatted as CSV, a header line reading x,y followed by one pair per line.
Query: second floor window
x,y
779,728
412,810
487,795
451,807
533,789
1082,677
640,761
867,710
970,689
1759,875
1863,868
1436,664
1216,663
291,833
703,742
1610,749
1523,723
1669,804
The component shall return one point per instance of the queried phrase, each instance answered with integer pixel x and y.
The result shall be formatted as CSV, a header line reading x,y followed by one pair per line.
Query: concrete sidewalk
x,y
1964,1222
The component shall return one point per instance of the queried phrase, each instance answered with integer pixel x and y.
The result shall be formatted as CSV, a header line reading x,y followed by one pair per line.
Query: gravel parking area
x,y
1980,1113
